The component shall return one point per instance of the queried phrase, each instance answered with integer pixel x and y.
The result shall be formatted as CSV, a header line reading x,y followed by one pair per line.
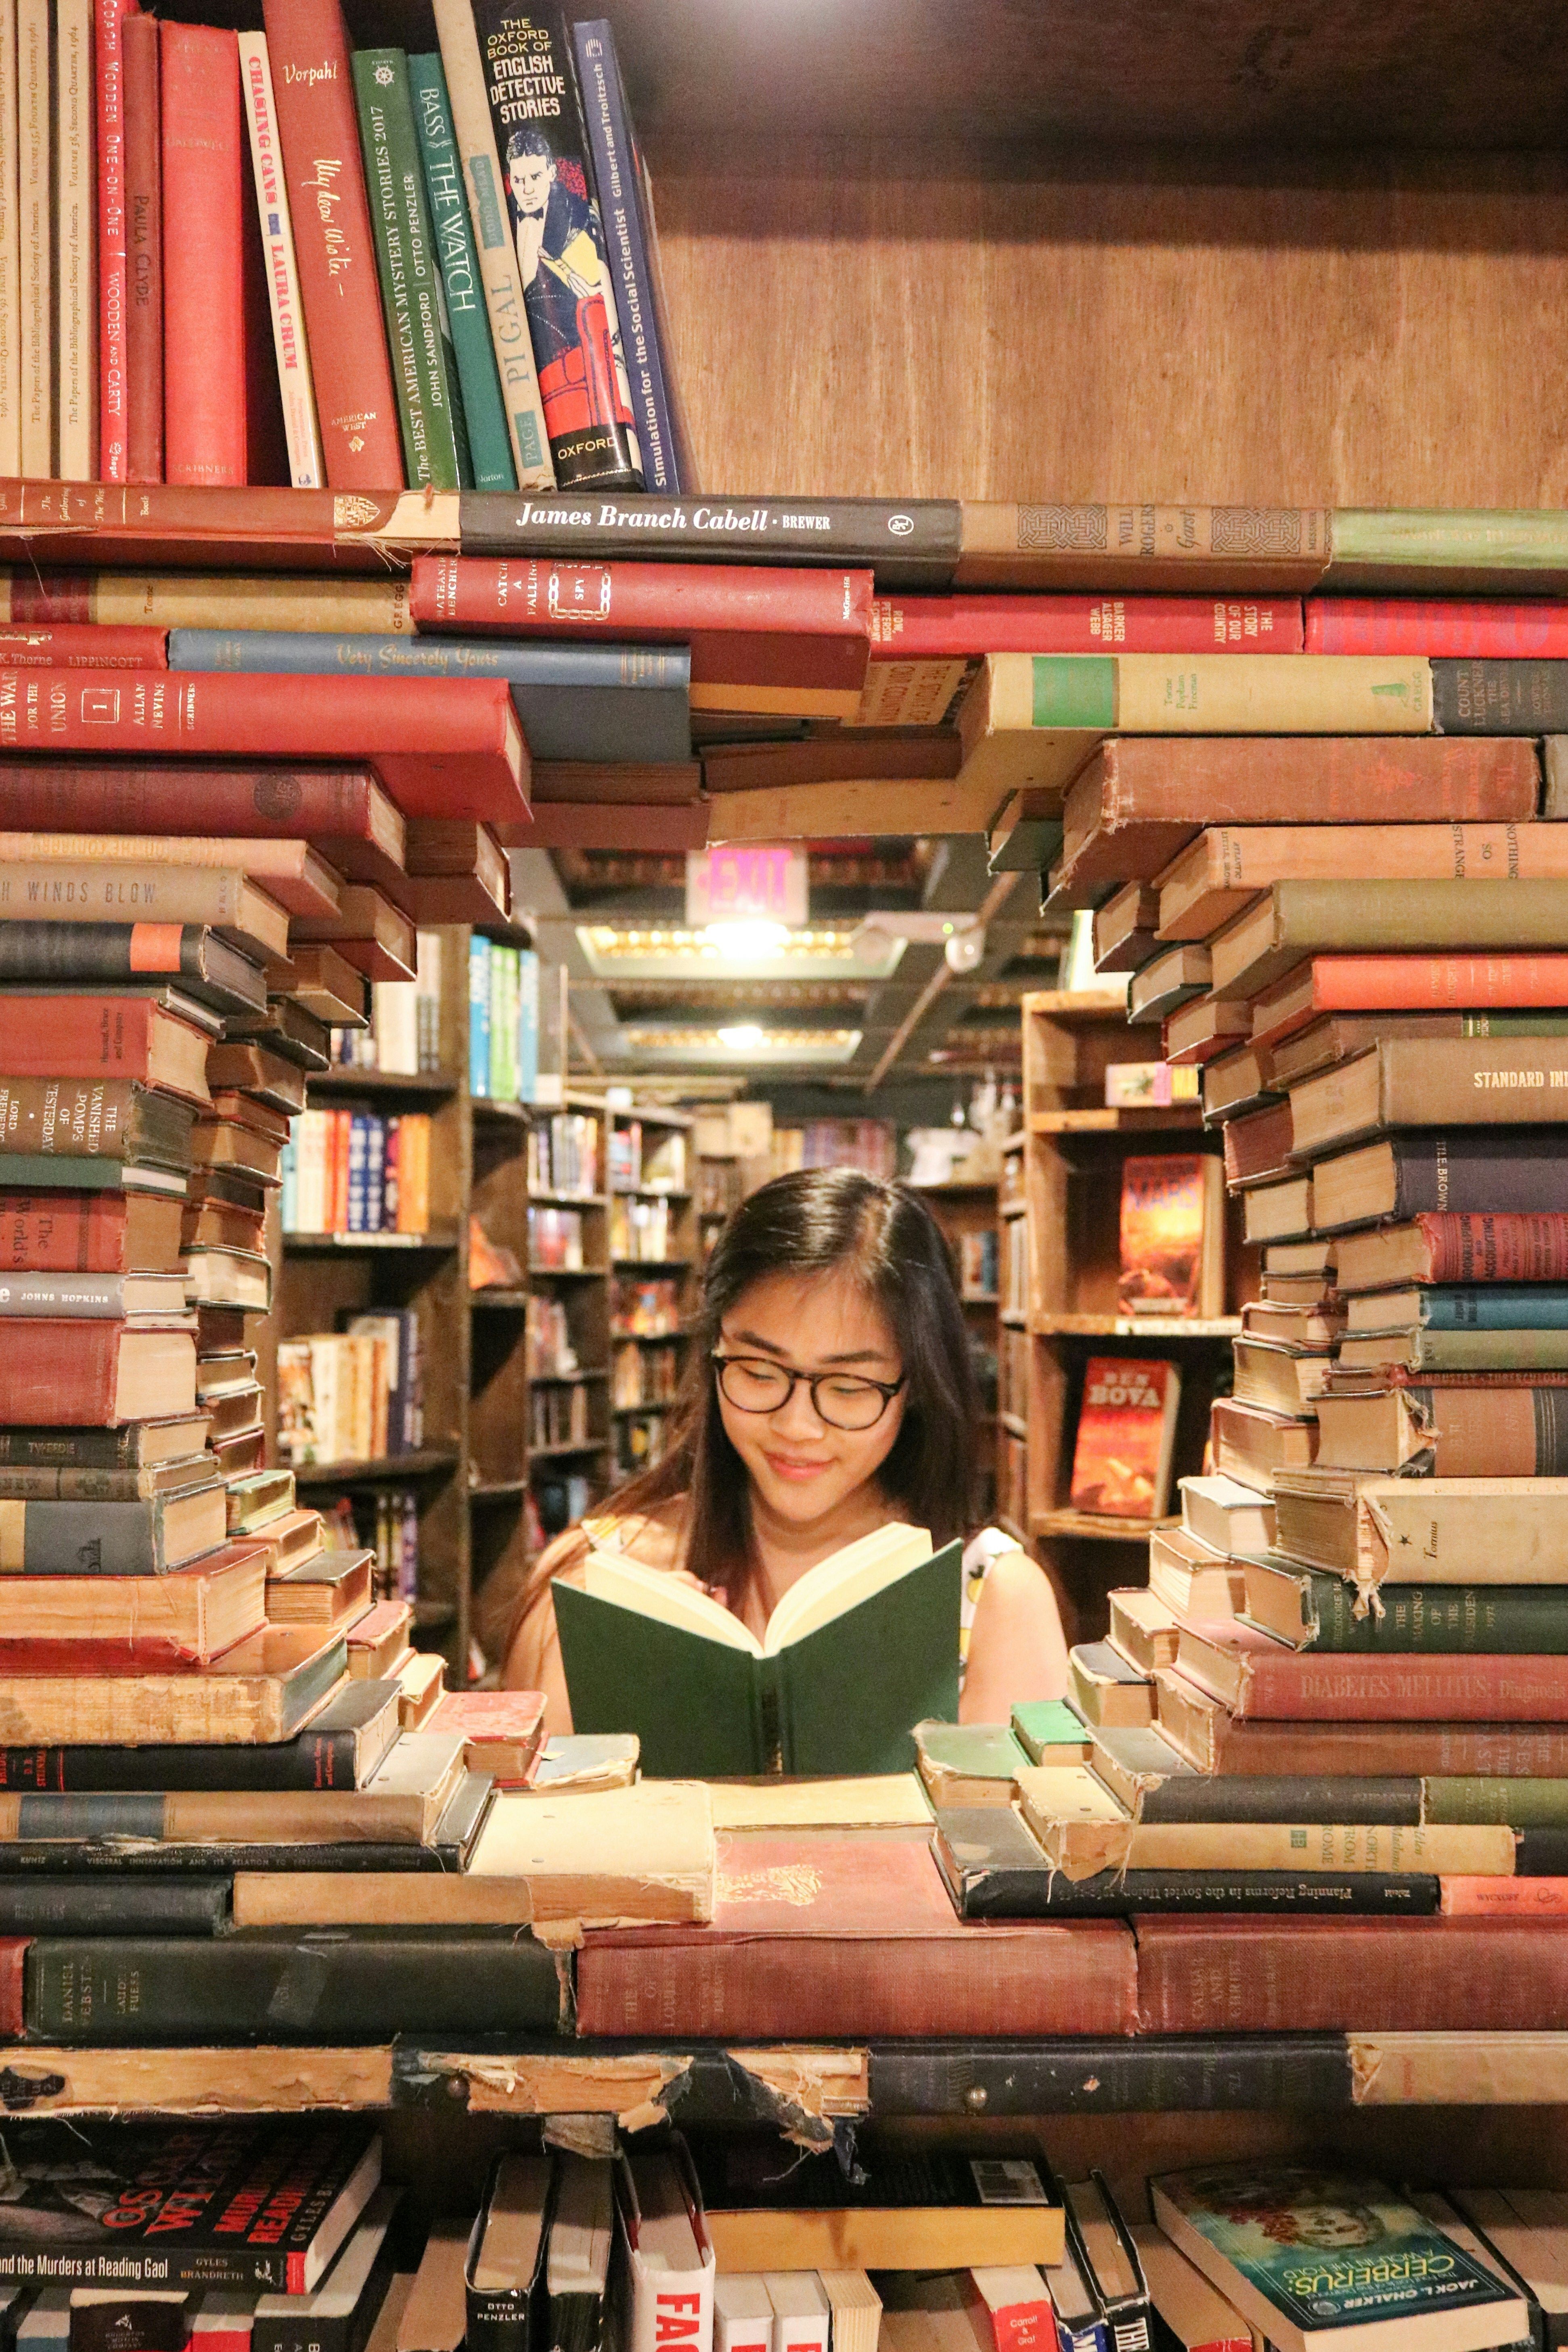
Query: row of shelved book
x,y
644,1311
944,2249
558,1415
372,342
354,1395
402,1036
385,1521
503,1021
641,1376
563,1154
642,1228
356,1173
645,1160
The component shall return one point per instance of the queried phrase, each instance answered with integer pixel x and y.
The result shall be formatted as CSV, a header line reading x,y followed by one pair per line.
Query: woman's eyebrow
x,y
850,1356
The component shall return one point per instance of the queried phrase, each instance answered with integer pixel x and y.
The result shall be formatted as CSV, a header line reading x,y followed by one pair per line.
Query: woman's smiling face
x,y
801,1466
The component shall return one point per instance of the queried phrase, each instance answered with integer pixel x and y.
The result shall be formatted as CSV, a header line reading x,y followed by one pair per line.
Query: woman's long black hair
x,y
815,1221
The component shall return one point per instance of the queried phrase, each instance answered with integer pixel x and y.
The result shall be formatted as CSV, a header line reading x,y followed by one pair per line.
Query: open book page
x,y
653,1593
839,1584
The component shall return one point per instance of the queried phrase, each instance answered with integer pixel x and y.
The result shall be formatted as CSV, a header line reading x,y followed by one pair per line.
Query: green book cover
x,y
468,317
1047,1725
981,1751
1304,2254
843,1698
1440,539
1522,1804
1488,1620
435,443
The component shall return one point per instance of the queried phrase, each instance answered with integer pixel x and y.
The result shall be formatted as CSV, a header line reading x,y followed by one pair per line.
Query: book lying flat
x,y
860,1649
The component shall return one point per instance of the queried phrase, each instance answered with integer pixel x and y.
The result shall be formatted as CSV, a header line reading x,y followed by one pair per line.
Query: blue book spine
x,y
375,1176
1495,1306
528,1026
359,1160
596,702
478,1015
288,1196
626,245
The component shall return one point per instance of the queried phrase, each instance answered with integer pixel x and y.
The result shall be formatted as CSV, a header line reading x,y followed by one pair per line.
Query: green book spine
x,y
1487,1620
433,447
1435,540
1044,1723
489,450
1522,1804
1487,1351
1075,691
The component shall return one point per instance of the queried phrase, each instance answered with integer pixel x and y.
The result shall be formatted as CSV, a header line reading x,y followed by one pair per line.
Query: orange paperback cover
x,y
1170,1207
1121,1460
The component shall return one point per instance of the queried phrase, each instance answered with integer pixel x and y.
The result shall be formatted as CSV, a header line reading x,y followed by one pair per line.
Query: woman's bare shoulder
x,y
654,1538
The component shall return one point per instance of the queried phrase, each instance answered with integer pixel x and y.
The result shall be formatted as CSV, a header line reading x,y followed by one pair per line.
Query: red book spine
x,y
1327,1976
57,1374
343,1121
962,628
444,747
1437,983
204,296
318,130
1505,1898
63,1232
144,251
267,804
1502,1248
275,529
1034,1979
79,645
113,448
644,604
75,1037
12,1987
1282,1685
1376,624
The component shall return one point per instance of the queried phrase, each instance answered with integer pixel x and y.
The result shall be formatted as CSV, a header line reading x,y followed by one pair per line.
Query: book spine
x,y
1499,698
325,1759
635,601
89,1542
60,1374
135,1989
552,219
166,1906
76,320
1418,983
1008,546
75,1037
479,1015
10,250
1505,1898
407,266
143,290
1038,1980
1272,694
314,803
1522,1803
1469,1307
114,383
81,1296
34,111
1299,1686
479,383
1495,1620
1246,1976
1458,631
204,298
615,184
301,433
1474,1248
64,891
86,1119
1120,1894
1393,547
86,1449
958,628
913,540
309,51
1204,1797
488,210
64,1233
1464,1081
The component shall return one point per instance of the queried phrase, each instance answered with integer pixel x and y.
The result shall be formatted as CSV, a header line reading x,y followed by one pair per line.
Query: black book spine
x,y
911,544
113,1907
1499,698
68,1449
53,1858
1231,1797
1160,2073
305,2328
1045,1894
1479,1171
315,1759
286,1989
1542,1852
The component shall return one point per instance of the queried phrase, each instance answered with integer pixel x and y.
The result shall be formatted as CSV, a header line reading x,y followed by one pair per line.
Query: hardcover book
x,y
856,1654
1126,1429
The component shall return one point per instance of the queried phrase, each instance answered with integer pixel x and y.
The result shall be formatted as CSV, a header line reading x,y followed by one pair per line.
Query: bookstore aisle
x,y
451,860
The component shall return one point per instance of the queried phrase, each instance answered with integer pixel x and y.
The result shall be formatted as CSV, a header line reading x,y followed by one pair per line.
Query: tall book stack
x,y
1336,1721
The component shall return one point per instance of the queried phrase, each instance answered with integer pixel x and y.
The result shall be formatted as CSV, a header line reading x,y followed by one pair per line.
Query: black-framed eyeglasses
x,y
842,1400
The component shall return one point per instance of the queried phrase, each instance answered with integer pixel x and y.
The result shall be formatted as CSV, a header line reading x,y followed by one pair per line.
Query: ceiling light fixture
x,y
750,941
745,1037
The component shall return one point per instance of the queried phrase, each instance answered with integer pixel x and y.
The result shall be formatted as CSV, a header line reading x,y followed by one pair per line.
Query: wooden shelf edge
x,y
379,1469
1129,1327
1155,1120
439,1237
1094,1528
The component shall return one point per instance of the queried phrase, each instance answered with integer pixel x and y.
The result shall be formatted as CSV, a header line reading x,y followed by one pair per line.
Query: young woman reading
x,y
828,1392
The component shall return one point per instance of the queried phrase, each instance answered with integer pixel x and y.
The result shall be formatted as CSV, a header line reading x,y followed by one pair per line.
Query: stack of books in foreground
x,y
254,2236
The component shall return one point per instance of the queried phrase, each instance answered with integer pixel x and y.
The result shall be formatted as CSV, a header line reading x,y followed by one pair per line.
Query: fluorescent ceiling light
x,y
694,1048
667,951
741,942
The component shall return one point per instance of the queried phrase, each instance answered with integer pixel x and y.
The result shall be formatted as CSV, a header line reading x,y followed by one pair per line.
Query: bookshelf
x,y
1073,1152
966,1212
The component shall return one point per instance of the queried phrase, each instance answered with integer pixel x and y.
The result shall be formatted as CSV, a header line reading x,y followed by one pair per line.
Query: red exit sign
x,y
744,882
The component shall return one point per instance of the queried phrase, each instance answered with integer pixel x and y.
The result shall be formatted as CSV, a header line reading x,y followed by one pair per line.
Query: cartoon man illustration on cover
x,y
571,306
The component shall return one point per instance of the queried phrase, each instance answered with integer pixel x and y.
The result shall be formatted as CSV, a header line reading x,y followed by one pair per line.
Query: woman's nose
x,y
797,1413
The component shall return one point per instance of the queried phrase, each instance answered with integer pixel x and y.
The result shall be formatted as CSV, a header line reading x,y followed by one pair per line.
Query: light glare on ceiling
x,y
744,942
745,1037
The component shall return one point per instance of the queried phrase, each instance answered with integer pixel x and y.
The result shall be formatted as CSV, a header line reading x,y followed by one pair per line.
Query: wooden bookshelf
x,y
1072,1153
961,1208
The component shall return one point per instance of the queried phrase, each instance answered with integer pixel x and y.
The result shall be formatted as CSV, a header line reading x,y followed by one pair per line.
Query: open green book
x,y
863,1648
